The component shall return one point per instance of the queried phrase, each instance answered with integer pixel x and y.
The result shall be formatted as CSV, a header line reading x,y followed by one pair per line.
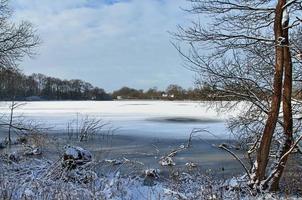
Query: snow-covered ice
x,y
165,119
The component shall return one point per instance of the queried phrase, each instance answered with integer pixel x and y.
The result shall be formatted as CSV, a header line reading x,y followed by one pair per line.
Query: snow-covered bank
x,y
167,119
32,178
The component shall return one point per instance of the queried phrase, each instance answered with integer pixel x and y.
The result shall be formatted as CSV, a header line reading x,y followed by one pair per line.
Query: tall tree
x,y
244,51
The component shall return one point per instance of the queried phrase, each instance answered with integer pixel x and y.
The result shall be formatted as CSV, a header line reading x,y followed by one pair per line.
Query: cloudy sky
x,y
110,43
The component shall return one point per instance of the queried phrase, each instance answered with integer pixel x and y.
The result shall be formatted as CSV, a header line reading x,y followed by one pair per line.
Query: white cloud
x,y
108,44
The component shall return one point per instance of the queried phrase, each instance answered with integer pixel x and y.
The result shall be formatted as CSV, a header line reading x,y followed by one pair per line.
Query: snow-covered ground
x,y
145,118
40,179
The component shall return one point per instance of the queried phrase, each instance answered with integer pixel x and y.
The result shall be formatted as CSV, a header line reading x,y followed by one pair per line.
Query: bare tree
x,y
16,40
245,51
14,105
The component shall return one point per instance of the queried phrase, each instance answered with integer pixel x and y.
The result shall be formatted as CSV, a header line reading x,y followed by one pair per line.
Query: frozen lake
x,y
144,126
158,119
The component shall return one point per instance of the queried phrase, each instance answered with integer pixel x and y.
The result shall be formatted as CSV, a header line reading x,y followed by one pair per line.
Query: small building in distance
x,y
164,95
119,97
167,96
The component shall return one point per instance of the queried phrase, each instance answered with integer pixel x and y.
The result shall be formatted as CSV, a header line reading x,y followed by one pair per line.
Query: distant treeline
x,y
172,92
14,84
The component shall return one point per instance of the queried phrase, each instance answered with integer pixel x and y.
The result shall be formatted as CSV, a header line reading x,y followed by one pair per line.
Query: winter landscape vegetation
x,y
218,115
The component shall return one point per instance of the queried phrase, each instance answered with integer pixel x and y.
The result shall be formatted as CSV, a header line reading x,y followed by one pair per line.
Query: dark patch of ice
x,y
184,120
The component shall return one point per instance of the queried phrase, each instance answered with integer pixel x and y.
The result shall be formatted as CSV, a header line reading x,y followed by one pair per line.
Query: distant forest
x,y
16,85
172,92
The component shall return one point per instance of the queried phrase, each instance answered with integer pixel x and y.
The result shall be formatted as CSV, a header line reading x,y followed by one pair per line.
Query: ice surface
x,y
145,118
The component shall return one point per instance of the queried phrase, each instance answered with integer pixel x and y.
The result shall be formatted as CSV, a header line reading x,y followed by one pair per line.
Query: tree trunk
x,y
287,111
10,122
265,143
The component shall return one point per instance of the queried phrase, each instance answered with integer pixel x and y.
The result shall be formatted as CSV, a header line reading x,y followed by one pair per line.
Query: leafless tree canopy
x,y
16,39
251,49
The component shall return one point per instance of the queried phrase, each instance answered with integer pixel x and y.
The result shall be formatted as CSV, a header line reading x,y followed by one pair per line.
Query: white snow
x,y
166,161
285,16
77,153
37,179
134,109
132,117
72,152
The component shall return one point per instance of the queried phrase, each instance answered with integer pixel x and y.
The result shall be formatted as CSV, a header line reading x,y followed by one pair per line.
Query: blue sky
x,y
110,43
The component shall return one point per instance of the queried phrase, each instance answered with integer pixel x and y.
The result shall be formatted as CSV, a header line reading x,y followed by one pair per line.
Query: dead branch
x,y
237,158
